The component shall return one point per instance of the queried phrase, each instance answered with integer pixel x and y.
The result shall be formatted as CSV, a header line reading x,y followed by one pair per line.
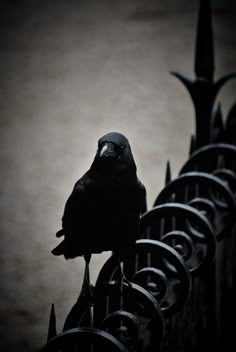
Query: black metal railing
x,y
181,288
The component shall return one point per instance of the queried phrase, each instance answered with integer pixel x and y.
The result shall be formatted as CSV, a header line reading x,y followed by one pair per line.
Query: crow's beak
x,y
108,151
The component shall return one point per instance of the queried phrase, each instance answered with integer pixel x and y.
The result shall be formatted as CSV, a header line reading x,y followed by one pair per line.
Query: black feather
x,y
103,211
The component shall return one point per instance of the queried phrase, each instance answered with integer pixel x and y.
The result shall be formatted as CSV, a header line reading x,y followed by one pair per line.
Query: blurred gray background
x,y
71,71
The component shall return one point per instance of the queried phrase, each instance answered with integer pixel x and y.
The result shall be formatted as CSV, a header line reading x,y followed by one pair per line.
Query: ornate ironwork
x,y
197,188
203,90
183,228
159,269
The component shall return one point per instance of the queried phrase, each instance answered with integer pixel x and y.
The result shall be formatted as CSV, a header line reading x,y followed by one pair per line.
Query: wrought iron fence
x,y
182,271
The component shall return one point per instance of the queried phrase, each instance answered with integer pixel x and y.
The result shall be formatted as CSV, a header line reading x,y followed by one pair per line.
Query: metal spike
x,y
204,50
217,125
187,82
232,114
222,81
192,145
87,287
52,330
218,117
168,173
230,128
203,90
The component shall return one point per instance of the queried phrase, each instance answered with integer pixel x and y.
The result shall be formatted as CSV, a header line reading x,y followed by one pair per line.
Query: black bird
x,y
103,211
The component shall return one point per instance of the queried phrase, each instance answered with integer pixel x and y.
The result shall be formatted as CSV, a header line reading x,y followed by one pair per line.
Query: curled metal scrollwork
x,y
159,269
80,313
83,338
183,228
205,206
182,243
156,284
191,187
130,313
218,159
123,325
227,176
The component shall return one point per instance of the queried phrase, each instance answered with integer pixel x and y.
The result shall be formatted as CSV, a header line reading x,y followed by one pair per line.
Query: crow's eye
x,y
119,148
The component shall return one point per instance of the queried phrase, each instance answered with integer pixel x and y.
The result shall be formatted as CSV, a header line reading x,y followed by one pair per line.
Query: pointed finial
x,y
217,116
52,330
203,90
192,145
231,118
204,50
168,173
217,128
231,126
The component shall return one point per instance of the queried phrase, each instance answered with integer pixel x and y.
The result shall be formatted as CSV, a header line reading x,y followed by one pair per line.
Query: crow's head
x,y
114,154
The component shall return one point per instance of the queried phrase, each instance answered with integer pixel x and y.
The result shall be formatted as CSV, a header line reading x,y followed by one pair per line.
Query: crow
x,y
103,211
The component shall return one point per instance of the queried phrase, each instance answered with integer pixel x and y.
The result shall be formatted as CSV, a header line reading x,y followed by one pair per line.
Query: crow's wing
x,y
73,211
